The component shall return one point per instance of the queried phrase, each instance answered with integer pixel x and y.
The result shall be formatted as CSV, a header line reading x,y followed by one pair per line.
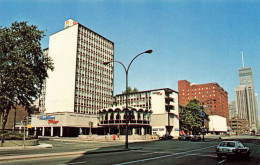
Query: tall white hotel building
x,y
80,83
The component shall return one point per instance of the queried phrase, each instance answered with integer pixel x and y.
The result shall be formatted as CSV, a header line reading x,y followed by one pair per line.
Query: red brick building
x,y
213,97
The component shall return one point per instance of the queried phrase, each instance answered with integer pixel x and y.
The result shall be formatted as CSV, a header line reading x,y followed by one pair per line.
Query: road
x,y
152,153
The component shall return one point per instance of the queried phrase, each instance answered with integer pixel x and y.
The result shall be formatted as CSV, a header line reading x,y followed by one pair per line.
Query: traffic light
x,y
24,119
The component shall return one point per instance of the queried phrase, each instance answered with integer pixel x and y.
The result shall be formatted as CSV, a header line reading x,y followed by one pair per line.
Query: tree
x,y
190,119
129,90
22,66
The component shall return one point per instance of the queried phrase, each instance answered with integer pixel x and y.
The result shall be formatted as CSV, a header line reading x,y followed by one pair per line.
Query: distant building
x,y
15,115
212,97
246,104
232,109
239,126
246,98
246,76
217,124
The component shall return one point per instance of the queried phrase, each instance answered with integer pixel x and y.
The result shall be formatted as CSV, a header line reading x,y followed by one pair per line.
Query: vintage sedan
x,y
184,138
232,148
195,138
166,137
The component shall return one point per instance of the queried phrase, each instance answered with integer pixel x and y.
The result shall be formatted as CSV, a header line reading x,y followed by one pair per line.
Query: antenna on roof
x,y
243,59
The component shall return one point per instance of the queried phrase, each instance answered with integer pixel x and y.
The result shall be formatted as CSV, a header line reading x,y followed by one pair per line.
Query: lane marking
x,y
159,157
78,163
153,153
222,161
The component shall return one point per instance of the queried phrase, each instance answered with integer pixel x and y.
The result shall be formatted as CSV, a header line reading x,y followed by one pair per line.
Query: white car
x,y
232,148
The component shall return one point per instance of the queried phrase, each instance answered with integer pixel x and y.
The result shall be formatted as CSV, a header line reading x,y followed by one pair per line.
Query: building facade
x,y
80,82
246,105
217,124
232,109
114,120
65,124
246,98
212,97
160,102
239,126
246,76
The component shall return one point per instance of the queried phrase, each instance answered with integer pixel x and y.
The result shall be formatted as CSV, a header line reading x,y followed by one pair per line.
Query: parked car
x,y
166,137
184,138
232,148
195,138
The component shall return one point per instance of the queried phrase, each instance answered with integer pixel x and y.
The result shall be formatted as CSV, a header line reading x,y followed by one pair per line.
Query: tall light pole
x,y
203,115
126,103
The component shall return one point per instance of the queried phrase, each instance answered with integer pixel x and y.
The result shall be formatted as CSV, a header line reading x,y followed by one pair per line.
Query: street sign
x,y
202,114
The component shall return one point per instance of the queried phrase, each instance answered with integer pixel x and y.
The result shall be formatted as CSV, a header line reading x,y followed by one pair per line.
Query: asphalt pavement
x,y
20,152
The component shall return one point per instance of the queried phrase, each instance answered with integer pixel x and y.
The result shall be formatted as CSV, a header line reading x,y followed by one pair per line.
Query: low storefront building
x,y
65,124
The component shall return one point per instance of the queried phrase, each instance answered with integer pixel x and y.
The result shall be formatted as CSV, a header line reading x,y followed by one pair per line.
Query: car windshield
x,y
227,144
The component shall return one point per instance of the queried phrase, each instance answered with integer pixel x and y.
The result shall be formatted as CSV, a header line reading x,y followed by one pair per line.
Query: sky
x,y
195,40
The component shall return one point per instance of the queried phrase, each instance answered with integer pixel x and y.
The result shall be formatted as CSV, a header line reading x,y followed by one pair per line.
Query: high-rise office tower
x,y
245,104
246,76
80,82
246,98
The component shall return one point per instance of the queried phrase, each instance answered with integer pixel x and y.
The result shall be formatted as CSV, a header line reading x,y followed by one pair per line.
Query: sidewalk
x,y
79,153
41,145
89,151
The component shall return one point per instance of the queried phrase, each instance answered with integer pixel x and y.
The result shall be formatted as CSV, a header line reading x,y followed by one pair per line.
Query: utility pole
x,y
24,124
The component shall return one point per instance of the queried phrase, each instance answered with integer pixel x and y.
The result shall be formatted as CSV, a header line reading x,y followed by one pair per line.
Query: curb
x,y
43,145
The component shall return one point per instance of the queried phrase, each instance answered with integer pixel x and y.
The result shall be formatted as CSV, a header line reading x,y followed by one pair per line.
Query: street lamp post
x,y
203,115
126,72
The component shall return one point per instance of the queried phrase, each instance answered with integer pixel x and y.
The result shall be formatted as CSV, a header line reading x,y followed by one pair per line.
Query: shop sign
x,y
51,120
157,93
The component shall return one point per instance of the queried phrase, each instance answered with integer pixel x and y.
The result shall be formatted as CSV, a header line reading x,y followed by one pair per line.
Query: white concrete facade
x,y
158,100
217,123
63,119
60,86
80,82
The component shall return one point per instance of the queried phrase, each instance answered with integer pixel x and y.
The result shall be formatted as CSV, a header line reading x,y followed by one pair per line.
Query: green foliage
x,y
23,67
190,119
13,136
130,90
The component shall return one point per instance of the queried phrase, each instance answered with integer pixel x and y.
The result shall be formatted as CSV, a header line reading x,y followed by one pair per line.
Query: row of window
x,y
200,96
93,64
90,73
84,32
90,93
91,85
97,42
90,47
202,88
105,56
200,92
